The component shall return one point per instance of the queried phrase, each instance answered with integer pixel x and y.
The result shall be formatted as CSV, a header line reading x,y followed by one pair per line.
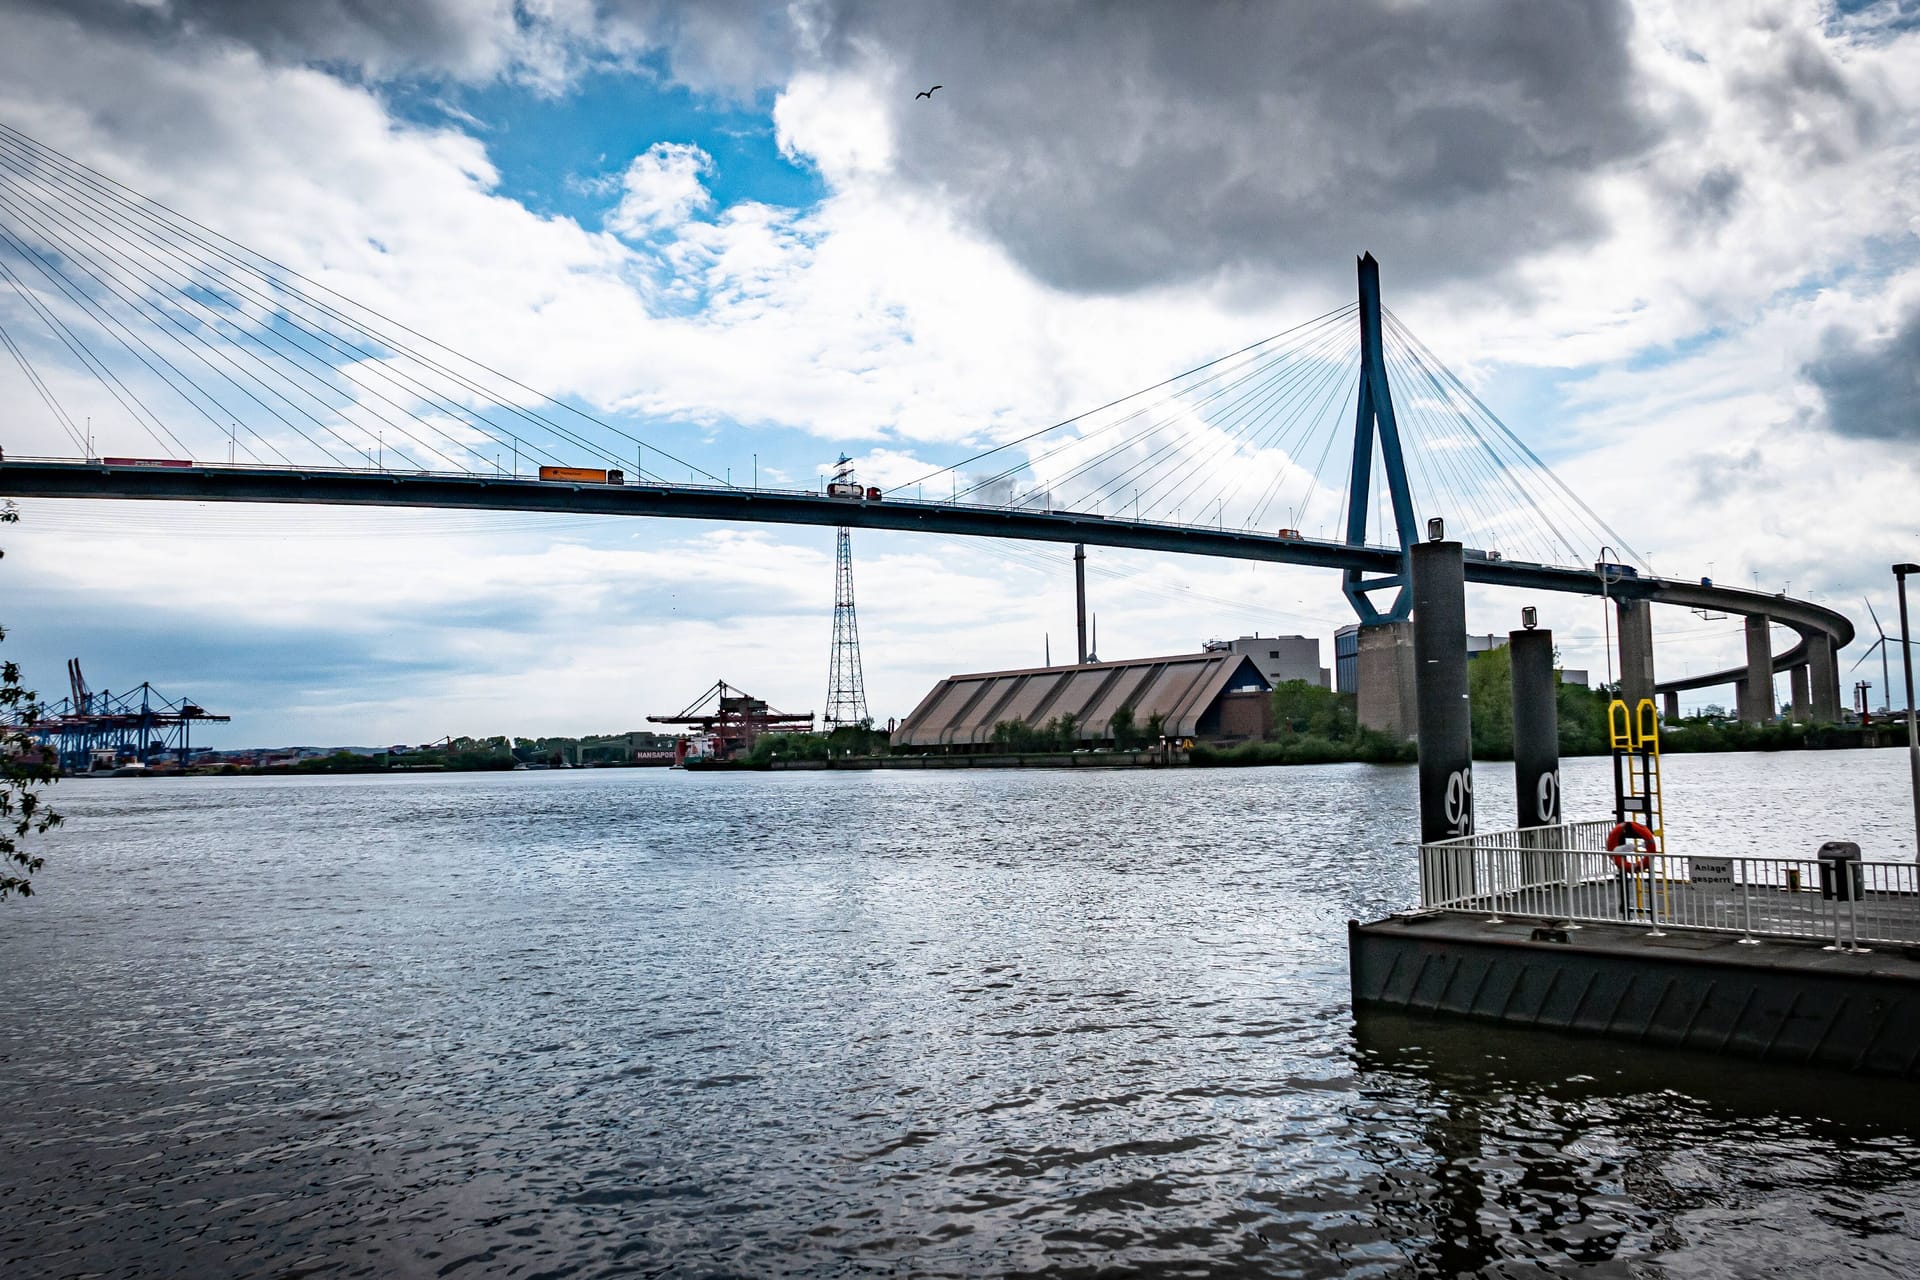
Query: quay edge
x,y
1781,1001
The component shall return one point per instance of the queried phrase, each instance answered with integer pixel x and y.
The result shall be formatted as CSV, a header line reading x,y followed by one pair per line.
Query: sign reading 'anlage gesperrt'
x,y
1710,870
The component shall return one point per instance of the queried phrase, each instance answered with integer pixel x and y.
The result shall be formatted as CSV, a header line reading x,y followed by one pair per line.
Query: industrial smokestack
x,y
1080,595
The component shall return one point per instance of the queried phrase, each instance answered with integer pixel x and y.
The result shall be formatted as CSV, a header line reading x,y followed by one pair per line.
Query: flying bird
x,y
927,93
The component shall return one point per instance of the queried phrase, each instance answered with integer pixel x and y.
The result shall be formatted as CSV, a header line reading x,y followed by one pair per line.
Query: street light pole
x,y
1900,572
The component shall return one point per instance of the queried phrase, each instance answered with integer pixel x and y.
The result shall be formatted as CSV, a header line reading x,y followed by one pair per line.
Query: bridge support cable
x,y
174,269
221,268
1319,419
74,284
75,251
1319,467
185,287
1491,474
1164,383
1460,482
1473,408
1162,469
122,394
1246,381
43,390
185,282
1299,389
1170,488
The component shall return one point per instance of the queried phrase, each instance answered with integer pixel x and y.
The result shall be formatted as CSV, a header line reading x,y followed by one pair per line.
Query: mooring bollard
x,y
1536,725
1440,692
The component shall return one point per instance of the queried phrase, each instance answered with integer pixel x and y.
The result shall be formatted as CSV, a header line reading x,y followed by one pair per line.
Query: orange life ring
x,y
1619,836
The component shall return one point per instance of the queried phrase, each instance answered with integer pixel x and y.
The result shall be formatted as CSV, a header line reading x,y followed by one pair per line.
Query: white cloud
x,y
662,188
1784,201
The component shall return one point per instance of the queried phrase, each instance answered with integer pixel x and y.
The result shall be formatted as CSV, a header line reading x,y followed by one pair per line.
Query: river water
x,y
614,1022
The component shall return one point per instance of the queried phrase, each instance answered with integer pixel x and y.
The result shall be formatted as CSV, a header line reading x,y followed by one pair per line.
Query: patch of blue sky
x,y
1533,403
563,155
1870,267
1659,357
1872,18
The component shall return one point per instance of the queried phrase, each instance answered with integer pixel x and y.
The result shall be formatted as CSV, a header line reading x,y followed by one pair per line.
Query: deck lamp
x,y
1436,529
1529,617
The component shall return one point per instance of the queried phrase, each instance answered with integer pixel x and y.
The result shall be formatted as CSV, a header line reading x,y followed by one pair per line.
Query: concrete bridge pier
x,y
1756,691
1802,696
1823,670
1670,704
1636,650
1383,668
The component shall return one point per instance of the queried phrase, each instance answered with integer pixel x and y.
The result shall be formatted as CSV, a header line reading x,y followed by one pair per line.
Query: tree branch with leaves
x,y
24,769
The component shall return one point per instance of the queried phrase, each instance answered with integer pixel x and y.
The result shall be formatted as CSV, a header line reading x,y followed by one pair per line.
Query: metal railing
x,y
1565,874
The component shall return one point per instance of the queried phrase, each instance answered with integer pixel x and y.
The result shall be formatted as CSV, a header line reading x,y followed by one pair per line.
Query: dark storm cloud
x,y
1803,97
1872,385
1113,146
729,46
1713,199
454,37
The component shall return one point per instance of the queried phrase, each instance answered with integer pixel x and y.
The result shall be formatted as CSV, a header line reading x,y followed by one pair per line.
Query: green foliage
x,y
847,740
1303,708
340,762
1582,711
1583,720
1363,746
1702,733
1490,692
601,748
24,768
788,746
1062,733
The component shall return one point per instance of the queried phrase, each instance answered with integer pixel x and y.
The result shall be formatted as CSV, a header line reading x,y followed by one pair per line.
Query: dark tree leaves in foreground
x,y
22,772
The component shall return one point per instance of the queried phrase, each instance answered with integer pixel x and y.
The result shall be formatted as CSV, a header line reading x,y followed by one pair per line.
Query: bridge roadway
x,y
46,478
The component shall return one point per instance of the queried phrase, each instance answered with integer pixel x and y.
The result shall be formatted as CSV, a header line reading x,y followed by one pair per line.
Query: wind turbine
x,y
1886,680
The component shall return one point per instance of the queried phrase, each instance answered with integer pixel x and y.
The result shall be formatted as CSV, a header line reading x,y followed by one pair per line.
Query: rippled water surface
x,y
893,1023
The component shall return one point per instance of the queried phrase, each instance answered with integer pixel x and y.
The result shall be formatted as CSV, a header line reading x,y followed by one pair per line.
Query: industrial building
x,y
1346,658
1216,696
1279,658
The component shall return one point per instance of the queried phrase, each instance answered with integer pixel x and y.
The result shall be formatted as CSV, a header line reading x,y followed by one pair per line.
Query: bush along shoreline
x,y
1313,725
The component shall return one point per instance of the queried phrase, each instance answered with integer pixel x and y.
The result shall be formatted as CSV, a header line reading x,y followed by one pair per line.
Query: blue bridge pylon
x,y
1376,416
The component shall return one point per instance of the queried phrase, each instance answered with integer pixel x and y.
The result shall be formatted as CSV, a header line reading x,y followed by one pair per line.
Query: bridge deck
x,y
47,478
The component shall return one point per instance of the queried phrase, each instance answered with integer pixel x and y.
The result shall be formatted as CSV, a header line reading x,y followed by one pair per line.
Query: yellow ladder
x,y
1634,735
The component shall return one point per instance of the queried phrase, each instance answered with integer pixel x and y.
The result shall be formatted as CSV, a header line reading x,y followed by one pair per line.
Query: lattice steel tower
x,y
846,686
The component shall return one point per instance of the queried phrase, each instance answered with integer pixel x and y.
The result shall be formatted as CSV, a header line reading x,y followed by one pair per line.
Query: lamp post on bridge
x,y
1900,572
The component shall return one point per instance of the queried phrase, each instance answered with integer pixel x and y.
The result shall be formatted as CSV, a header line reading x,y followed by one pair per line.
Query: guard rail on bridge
x,y
1564,874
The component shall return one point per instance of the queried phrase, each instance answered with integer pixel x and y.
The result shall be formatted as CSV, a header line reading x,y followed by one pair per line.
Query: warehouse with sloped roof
x,y
1209,697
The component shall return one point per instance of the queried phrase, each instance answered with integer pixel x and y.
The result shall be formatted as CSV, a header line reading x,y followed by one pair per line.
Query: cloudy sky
x,y
1676,247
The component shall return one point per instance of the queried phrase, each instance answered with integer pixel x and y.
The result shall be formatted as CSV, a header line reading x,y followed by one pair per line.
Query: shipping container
x,y
583,475
844,489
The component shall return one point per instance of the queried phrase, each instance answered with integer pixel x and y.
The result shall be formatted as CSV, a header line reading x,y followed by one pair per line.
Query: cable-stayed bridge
x,y
1327,444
